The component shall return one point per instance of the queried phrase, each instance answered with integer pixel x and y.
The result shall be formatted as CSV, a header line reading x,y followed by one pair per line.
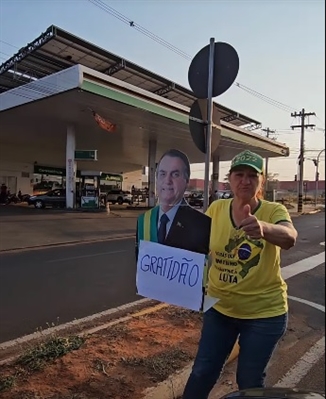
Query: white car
x,y
119,197
224,195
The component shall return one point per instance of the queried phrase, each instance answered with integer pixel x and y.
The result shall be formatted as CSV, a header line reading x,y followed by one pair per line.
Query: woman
x,y
247,235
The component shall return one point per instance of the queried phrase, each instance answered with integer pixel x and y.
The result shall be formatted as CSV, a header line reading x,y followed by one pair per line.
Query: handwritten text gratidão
x,y
183,271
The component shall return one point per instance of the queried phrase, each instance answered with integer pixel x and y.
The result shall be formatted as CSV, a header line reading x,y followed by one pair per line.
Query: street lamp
x,y
316,162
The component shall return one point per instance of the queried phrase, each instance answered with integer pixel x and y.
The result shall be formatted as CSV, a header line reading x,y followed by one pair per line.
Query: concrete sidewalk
x,y
24,227
307,209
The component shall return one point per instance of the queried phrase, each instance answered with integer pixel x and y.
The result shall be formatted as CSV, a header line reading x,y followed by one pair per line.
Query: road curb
x,y
173,386
78,322
296,214
312,212
67,243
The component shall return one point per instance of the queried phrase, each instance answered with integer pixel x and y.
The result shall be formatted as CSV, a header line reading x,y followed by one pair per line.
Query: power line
x,y
173,48
267,99
116,14
253,92
110,10
8,44
321,121
2,52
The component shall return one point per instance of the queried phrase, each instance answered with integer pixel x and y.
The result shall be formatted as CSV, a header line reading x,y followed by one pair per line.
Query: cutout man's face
x,y
171,182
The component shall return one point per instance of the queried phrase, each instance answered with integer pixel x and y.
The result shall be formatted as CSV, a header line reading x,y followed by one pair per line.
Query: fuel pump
x,y
90,189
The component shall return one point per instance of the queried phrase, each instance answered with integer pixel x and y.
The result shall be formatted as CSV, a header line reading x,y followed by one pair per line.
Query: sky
x,y
280,43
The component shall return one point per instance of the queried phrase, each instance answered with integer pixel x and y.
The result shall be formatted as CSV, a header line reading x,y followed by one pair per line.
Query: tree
x,y
272,182
272,177
226,184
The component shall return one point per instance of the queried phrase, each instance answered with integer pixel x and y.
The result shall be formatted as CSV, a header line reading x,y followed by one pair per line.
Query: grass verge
x,y
159,366
37,357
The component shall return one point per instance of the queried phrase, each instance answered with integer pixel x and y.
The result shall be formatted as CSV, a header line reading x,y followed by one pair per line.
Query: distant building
x,y
284,186
198,185
309,185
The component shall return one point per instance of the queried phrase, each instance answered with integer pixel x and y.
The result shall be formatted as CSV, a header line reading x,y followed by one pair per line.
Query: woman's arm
x,y
283,234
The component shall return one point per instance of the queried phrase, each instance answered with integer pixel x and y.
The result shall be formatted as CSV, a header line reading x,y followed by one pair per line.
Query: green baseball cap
x,y
248,158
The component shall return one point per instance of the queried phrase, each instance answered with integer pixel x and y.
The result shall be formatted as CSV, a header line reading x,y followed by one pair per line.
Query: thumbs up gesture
x,y
251,225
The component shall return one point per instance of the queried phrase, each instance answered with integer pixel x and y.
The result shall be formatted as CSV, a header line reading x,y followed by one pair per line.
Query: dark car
x,y
196,200
275,393
55,198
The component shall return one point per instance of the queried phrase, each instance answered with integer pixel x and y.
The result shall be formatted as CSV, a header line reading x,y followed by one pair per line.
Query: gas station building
x,y
48,93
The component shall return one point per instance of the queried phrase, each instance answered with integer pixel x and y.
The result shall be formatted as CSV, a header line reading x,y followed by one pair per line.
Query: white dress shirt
x,y
170,214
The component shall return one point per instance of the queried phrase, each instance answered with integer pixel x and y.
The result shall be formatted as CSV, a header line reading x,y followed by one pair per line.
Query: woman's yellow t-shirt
x,y
245,274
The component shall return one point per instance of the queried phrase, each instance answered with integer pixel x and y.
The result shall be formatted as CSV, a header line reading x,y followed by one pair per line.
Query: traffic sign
x,y
86,155
225,70
198,126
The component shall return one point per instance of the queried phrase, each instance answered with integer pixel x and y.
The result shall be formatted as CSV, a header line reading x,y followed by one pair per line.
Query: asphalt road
x,y
59,284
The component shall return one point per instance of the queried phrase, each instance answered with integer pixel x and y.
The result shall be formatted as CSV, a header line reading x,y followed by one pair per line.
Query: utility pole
x,y
268,131
302,114
316,162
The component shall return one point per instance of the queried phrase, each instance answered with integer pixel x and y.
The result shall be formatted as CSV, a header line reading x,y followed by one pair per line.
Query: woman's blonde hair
x,y
261,192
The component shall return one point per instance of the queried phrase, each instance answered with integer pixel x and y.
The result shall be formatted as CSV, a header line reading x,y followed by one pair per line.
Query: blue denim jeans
x,y
257,340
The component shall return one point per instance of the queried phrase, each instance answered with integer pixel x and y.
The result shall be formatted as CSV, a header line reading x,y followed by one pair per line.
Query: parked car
x,y
196,200
224,195
275,393
55,198
119,197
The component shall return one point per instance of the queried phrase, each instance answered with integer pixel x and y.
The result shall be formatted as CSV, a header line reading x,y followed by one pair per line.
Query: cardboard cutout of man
x,y
174,222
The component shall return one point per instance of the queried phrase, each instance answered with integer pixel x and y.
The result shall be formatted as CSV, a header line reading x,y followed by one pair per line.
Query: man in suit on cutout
x,y
174,222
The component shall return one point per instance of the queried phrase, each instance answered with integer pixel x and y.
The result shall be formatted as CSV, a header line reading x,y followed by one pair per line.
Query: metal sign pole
x,y
209,121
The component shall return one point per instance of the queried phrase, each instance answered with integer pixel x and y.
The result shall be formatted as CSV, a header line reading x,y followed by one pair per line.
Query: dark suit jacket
x,y
190,230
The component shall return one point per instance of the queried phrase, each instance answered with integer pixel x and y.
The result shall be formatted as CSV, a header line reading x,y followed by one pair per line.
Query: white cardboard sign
x,y
171,275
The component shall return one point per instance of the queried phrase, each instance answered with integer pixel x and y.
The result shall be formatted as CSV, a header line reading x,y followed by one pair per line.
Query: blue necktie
x,y
162,229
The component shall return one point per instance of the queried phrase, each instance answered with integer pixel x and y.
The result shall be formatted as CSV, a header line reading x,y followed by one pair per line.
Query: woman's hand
x,y
283,234
251,225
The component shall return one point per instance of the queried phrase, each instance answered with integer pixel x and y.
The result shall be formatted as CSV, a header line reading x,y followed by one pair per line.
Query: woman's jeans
x,y
257,340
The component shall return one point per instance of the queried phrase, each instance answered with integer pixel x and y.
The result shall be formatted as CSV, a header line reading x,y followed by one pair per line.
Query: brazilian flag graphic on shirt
x,y
244,250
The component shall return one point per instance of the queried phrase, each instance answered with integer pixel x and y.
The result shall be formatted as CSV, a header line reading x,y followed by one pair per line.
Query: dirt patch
x,y
71,329
116,363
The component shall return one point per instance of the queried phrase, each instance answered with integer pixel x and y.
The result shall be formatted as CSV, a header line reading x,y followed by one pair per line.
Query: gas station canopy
x,y
58,80
56,50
